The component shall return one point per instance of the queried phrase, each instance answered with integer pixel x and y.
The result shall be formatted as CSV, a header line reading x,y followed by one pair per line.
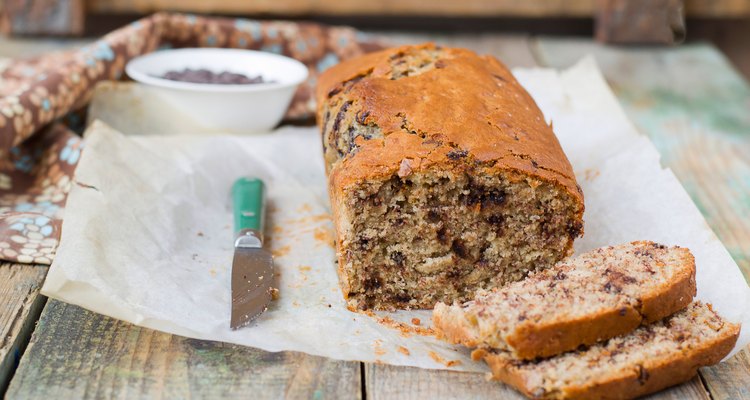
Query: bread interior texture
x,y
441,234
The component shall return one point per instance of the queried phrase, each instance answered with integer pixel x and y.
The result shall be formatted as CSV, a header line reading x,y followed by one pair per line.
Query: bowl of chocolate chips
x,y
231,90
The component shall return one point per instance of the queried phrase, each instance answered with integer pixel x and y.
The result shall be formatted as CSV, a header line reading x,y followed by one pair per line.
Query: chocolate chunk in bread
x,y
592,297
651,358
444,177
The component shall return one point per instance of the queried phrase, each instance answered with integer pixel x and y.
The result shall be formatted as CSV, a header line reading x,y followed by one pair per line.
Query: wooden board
x,y
475,8
20,305
730,379
78,354
42,17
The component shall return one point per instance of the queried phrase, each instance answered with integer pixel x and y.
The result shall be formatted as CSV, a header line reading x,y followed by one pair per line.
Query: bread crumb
x,y
274,293
448,363
324,236
590,174
378,347
404,350
304,268
200,233
406,329
305,208
416,321
282,251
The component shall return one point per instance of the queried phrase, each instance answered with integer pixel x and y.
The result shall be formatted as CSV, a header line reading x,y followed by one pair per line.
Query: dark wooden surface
x,y
74,353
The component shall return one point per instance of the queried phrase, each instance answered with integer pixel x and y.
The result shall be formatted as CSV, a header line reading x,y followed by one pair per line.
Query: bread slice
x,y
651,358
580,301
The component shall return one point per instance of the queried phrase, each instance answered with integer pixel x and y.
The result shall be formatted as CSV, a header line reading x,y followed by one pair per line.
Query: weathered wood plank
x,y
42,17
730,379
78,354
20,305
403,383
528,8
477,8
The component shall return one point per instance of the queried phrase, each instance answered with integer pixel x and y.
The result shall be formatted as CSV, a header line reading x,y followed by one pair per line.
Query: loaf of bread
x,y
580,301
651,358
444,177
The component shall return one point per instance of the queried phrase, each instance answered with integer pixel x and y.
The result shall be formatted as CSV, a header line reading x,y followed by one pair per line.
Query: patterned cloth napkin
x,y
43,100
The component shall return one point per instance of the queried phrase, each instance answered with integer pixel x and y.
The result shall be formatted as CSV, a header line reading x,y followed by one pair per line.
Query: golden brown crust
x,y
532,339
656,373
504,128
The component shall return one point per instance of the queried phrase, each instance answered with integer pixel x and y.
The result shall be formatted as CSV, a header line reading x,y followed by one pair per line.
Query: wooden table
x,y
689,101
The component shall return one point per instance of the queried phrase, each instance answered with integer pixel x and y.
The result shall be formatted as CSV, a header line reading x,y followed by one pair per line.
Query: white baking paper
x,y
147,236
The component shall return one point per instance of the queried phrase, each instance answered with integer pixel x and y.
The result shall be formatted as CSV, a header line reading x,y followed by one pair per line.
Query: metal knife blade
x,y
252,278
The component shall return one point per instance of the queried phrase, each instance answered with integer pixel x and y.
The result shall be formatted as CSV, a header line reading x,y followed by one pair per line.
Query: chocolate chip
x,y
459,248
642,375
457,154
623,311
372,282
495,219
494,197
340,116
442,235
213,78
335,91
402,297
362,116
574,229
398,258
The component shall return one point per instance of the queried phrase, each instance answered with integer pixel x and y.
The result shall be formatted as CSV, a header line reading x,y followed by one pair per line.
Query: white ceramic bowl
x,y
234,108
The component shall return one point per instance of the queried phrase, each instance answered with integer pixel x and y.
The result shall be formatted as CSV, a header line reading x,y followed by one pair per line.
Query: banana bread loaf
x,y
651,358
444,177
580,301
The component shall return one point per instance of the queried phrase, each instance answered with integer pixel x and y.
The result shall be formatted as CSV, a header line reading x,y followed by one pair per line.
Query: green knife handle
x,y
248,198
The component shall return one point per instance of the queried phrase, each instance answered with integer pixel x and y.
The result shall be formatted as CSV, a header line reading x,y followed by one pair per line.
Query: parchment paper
x,y
147,233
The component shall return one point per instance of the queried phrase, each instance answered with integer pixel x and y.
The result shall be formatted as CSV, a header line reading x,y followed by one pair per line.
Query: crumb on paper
x,y
324,236
416,321
304,268
275,293
200,234
378,347
478,354
281,251
305,208
405,329
295,303
590,174
194,256
403,350
309,220
212,271
277,229
440,360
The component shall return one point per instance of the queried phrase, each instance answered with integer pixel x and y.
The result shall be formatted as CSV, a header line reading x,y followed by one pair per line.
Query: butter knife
x,y
252,267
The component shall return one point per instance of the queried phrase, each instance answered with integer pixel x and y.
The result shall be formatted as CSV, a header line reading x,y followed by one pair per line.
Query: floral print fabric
x,y
42,100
